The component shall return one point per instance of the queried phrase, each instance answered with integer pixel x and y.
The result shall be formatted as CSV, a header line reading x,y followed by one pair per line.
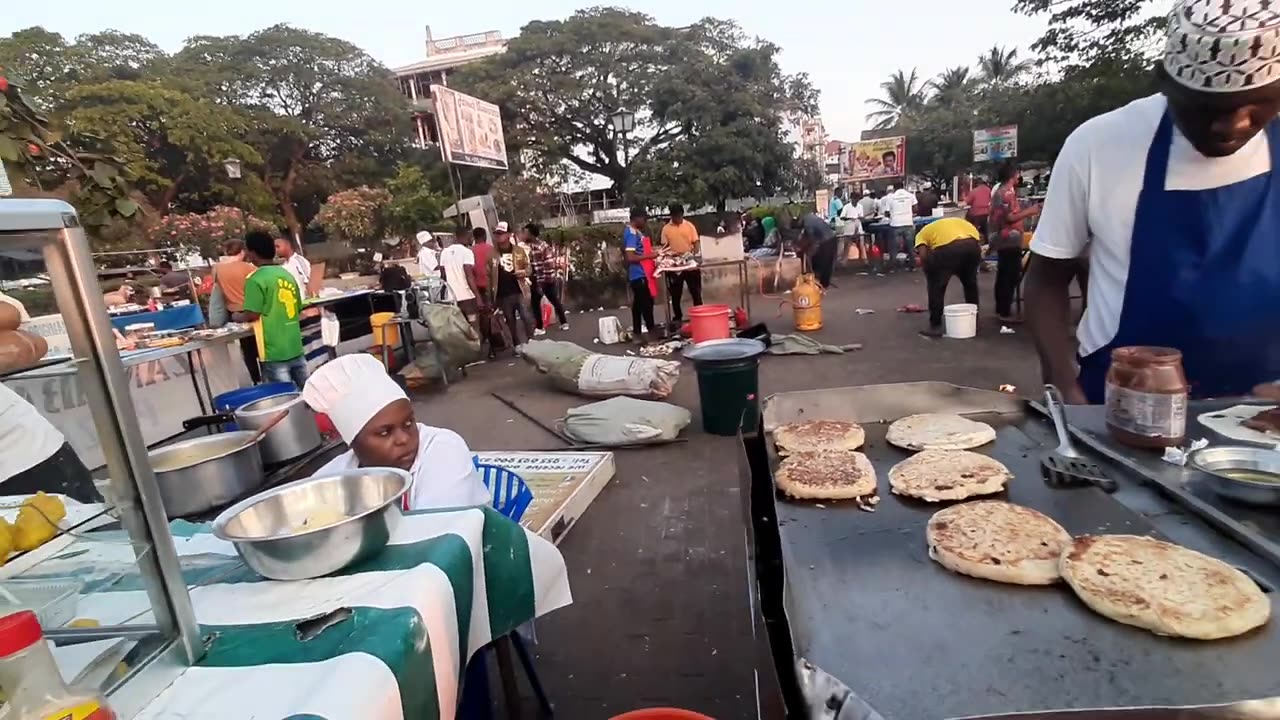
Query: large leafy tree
x,y
1001,66
952,83
1084,34
901,93
171,142
415,203
316,101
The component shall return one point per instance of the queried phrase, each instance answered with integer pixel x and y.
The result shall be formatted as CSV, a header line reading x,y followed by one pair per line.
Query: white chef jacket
x,y
428,261
300,268
444,473
26,437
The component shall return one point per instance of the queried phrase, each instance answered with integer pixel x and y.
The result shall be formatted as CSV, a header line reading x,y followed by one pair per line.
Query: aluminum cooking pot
x,y
204,473
293,437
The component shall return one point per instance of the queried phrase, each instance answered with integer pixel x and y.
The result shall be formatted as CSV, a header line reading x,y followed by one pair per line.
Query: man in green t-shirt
x,y
273,303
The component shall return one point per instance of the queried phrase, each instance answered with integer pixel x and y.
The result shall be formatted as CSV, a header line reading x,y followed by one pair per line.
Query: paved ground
x,y
657,563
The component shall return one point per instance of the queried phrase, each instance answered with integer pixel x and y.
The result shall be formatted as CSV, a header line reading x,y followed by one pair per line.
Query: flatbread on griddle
x,y
935,475
1162,587
939,431
826,475
996,540
812,435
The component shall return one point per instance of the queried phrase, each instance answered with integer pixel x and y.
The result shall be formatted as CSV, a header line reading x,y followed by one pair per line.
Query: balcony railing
x,y
463,42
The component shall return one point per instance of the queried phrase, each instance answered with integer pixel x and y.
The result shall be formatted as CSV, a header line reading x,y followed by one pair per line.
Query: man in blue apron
x,y
1176,200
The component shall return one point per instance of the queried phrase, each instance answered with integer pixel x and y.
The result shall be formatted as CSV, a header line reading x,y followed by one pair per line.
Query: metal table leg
x,y
506,672
195,383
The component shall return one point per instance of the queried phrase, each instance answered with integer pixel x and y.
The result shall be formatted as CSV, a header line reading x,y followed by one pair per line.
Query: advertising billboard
x,y
997,143
469,130
882,158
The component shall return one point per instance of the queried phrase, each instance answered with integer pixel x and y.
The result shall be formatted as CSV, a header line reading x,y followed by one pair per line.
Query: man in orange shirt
x,y
678,238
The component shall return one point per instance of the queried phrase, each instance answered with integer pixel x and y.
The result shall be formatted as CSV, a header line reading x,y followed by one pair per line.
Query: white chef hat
x,y
424,237
351,390
1222,46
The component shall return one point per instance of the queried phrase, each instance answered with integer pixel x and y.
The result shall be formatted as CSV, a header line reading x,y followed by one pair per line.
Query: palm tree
x,y
902,93
952,82
999,66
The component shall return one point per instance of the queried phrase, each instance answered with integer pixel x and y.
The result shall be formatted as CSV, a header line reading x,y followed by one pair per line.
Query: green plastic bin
x,y
728,384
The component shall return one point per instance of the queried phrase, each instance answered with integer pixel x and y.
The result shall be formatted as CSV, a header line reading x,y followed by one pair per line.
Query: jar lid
x,y
18,632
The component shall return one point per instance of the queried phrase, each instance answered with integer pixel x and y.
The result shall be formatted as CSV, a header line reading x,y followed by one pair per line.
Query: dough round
x,y
936,475
999,541
1162,587
818,435
939,431
826,475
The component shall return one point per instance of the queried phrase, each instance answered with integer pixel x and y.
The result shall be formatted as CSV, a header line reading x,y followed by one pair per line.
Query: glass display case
x,y
107,584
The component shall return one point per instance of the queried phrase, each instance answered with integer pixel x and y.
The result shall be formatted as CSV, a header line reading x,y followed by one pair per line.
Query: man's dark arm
x,y
1049,317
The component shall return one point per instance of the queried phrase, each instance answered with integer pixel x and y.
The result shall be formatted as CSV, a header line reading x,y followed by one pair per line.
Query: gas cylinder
x,y
806,302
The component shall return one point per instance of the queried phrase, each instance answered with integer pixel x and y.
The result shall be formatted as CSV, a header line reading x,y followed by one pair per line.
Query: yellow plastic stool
x,y
383,335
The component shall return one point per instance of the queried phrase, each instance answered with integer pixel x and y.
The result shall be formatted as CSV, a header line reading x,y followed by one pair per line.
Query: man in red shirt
x,y
1007,216
979,201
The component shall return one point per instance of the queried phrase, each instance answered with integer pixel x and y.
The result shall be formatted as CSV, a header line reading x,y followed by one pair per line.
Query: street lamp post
x,y
623,121
232,166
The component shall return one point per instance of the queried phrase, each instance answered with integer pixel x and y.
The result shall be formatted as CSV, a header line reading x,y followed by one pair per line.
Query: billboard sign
x,y
469,130
997,143
881,158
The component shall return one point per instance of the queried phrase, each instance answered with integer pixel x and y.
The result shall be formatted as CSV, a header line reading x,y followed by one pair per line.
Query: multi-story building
x,y
813,139
443,57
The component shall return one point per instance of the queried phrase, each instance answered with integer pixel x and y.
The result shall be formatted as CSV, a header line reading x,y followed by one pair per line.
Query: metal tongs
x,y
1064,466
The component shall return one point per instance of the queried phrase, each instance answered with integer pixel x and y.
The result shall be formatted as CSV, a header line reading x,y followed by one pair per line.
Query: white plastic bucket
x,y
961,320
609,330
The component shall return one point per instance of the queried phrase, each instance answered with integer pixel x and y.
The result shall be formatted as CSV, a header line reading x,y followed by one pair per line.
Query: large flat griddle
x,y
866,604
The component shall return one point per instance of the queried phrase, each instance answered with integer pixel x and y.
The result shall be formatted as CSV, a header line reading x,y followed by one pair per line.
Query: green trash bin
x,y
728,383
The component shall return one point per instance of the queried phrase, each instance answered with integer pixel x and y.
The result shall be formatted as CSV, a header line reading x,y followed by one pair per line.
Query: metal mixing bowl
x,y
1220,463
313,527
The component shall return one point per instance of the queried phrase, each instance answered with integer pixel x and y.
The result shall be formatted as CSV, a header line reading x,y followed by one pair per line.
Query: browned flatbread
x,y
999,541
1162,587
936,475
826,475
816,435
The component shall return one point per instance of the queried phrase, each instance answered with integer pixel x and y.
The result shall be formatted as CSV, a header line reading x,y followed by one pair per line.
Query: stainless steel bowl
x,y
317,526
203,473
295,436
1235,472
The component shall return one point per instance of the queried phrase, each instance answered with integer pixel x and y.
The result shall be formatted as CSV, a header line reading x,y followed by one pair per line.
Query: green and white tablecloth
x,y
447,584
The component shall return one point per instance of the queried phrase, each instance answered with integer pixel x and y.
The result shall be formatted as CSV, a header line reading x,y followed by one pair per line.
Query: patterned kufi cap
x,y
1223,46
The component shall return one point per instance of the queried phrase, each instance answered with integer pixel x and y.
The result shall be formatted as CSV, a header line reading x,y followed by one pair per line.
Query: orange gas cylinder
x,y
806,302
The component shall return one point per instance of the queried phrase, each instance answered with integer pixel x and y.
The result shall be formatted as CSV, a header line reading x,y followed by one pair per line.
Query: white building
x,y
443,57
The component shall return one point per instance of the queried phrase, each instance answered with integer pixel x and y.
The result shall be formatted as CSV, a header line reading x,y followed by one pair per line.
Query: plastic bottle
x,y
30,679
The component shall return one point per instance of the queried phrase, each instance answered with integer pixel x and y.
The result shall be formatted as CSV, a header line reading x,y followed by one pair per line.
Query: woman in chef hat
x,y
375,418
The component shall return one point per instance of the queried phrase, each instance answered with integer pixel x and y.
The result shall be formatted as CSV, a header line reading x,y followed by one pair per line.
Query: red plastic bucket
x,y
709,322
661,714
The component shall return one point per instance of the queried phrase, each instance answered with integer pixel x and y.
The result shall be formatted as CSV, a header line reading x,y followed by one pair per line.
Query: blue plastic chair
x,y
511,498
511,494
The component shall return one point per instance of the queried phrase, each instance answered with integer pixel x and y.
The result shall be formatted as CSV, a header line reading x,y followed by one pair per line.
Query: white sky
x,y
848,48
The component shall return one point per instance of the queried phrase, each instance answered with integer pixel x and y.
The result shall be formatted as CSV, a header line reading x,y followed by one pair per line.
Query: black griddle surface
x,y
867,605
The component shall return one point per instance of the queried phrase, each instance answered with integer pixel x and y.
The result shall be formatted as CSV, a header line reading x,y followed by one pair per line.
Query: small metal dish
x,y
1236,472
317,526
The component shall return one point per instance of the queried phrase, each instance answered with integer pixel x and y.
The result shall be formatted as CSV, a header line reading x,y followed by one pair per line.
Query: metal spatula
x,y
1064,466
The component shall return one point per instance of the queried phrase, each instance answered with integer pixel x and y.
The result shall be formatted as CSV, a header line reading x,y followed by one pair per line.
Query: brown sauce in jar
x,y
1146,401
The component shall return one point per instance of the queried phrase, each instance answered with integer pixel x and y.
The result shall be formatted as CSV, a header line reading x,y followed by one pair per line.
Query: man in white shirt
x,y
36,456
902,229
428,254
851,230
292,260
1175,200
457,267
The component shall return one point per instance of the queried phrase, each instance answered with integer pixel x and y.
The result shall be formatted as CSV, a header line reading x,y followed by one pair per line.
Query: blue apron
x,y
1204,277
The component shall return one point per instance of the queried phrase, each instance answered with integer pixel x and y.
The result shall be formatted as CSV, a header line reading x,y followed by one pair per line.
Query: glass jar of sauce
x,y
1146,397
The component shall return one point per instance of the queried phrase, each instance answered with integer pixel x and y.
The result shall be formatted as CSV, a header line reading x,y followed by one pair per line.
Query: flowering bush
x,y
354,215
205,231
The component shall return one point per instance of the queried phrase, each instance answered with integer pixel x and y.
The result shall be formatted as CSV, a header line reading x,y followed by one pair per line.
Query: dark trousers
x,y
959,258
249,350
675,286
641,306
1008,275
824,261
513,307
61,472
551,291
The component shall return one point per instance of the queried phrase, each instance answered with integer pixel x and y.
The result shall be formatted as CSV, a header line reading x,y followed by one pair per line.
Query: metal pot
x,y
1246,474
204,473
295,436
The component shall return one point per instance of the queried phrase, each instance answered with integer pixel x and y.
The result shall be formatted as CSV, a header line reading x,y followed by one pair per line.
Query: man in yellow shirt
x,y
678,238
947,247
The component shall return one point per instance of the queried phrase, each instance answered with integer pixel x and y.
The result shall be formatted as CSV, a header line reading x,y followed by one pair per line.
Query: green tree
x,y
951,83
903,93
355,215
1000,66
1096,33
414,204
171,142
38,60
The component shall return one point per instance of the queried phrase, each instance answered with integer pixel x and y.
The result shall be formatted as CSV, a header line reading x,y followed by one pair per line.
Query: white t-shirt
x,y
428,260
850,217
453,258
899,205
1093,198
300,268
26,437
444,473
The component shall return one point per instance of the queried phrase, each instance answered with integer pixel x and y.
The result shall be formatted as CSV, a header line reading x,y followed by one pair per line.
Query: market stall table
x,y
180,317
858,615
744,284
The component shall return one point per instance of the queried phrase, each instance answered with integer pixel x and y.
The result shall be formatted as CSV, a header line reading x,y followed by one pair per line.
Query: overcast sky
x,y
847,48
